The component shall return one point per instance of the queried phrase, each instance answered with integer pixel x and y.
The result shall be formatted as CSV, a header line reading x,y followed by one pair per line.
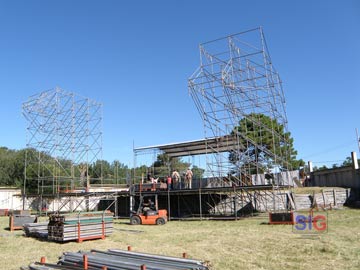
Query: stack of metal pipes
x,y
80,226
115,259
37,230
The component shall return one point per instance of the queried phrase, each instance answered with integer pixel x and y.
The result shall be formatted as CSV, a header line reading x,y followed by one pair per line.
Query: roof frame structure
x,y
193,148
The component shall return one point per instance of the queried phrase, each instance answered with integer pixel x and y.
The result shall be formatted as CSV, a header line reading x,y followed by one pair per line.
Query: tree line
x,y
265,145
13,169
347,162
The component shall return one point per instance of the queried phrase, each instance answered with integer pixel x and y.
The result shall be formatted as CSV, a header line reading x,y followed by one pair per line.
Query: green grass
x,y
242,244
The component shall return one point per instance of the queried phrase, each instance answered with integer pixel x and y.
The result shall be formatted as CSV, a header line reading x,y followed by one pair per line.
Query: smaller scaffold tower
x,y
64,136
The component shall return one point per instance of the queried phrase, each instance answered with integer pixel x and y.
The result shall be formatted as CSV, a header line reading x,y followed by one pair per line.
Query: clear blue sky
x,y
136,56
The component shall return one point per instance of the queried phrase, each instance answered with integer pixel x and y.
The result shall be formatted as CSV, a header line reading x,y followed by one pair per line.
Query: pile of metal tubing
x,y
115,259
37,230
80,226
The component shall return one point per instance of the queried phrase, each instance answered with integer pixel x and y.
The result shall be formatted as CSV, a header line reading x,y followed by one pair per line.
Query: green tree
x,y
11,167
120,172
348,162
99,171
161,167
197,172
19,165
265,144
322,168
139,173
164,165
6,166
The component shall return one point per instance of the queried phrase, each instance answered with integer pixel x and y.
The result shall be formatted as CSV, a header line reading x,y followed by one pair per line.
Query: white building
x,y
8,200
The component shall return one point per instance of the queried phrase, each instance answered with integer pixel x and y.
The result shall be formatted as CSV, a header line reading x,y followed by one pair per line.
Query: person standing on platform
x,y
188,178
168,182
176,179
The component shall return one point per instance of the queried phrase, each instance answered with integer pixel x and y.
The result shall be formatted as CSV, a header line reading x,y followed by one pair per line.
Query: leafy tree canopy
x,y
164,165
265,145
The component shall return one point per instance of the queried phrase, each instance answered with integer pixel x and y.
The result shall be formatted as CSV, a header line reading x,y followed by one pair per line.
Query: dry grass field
x,y
242,244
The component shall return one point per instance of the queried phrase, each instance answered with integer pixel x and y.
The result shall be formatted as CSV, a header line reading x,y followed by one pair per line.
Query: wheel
x,y
160,221
135,220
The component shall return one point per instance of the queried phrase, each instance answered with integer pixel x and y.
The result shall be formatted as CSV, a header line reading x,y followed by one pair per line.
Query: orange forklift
x,y
148,212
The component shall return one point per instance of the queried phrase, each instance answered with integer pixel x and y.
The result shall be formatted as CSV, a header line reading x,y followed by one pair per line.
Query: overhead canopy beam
x,y
198,147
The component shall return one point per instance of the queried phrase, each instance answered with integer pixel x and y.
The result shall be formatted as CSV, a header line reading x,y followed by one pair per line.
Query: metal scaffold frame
x,y
235,83
64,137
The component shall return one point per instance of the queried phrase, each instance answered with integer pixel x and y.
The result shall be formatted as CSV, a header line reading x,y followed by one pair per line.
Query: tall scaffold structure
x,y
239,95
64,137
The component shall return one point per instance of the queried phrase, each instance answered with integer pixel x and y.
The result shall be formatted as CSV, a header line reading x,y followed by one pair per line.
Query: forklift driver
x,y
149,205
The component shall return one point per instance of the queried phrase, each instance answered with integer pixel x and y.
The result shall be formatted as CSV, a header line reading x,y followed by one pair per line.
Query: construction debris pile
x,y
80,226
115,259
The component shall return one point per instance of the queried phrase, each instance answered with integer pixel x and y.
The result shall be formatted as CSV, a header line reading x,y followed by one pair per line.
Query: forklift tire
x,y
160,221
135,220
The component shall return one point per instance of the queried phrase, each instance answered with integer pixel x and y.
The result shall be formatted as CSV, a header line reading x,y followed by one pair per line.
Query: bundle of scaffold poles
x,y
37,230
80,226
116,259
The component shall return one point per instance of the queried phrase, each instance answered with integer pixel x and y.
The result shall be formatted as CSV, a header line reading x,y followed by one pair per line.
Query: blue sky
x,y
135,57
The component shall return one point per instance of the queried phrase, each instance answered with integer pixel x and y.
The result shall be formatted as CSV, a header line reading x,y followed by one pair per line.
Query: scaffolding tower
x,y
238,93
64,138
